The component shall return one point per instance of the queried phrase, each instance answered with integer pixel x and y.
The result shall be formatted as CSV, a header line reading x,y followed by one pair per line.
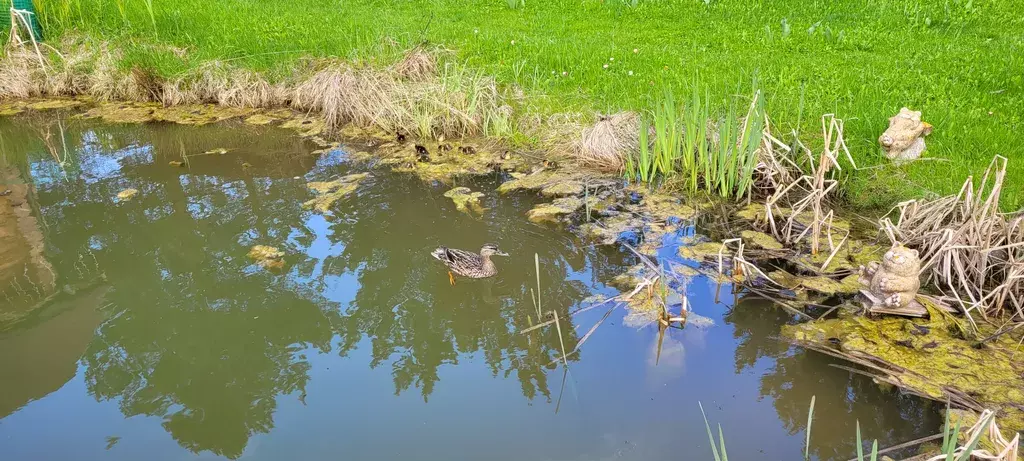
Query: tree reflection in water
x,y
200,337
841,398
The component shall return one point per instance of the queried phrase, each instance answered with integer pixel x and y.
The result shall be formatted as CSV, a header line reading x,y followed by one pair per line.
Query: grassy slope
x,y
962,66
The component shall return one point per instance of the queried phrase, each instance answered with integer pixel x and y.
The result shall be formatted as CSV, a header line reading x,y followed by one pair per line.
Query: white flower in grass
x,y
611,59
636,50
513,43
631,73
564,73
606,66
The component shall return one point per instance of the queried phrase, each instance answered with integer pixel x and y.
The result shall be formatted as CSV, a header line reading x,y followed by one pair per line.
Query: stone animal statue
x,y
893,282
904,139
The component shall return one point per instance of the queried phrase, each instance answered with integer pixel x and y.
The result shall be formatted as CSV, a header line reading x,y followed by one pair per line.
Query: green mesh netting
x,y
23,5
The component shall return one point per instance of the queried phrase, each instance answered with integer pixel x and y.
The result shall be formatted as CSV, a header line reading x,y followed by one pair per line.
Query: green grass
x,y
959,61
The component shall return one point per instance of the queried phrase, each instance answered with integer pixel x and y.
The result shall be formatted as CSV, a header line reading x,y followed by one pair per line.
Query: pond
x,y
139,329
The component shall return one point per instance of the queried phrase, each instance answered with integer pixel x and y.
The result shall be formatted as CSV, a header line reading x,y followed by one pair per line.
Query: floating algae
x,y
850,257
927,357
19,106
306,126
465,199
825,285
761,240
269,116
54,104
176,163
554,211
703,251
123,112
267,257
663,207
562,188
332,191
533,181
127,194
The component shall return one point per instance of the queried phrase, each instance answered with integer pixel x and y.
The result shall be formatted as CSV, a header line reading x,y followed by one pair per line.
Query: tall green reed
x,y
719,157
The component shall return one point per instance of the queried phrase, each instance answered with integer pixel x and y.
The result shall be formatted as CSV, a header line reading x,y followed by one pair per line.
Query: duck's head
x,y
491,249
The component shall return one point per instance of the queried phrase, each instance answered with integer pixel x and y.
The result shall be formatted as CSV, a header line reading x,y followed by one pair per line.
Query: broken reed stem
x,y
558,327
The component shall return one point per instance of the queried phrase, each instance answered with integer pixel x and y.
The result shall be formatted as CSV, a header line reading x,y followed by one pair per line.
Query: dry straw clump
x,y
973,253
606,144
414,95
454,103
417,64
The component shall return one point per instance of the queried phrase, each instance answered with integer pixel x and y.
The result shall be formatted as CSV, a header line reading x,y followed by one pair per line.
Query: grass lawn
x,y
961,62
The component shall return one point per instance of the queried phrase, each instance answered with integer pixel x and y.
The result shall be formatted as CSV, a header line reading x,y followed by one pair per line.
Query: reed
x,y
722,160
971,251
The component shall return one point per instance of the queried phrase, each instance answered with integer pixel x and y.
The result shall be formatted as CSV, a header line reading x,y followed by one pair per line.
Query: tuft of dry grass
x,y
417,65
607,143
455,103
972,252
218,83
413,96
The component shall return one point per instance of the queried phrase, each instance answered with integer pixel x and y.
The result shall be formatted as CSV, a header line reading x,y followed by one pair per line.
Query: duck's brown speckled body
x,y
467,263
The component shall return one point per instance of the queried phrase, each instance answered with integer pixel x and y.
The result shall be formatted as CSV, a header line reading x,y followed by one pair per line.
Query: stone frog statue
x,y
893,282
904,139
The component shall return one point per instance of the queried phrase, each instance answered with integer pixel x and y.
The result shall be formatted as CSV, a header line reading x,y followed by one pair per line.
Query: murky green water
x,y
140,329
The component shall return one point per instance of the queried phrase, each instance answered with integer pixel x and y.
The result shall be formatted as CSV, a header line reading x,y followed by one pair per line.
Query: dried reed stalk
x,y
971,251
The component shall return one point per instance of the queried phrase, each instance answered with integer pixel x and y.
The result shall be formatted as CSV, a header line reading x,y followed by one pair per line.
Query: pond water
x,y
139,329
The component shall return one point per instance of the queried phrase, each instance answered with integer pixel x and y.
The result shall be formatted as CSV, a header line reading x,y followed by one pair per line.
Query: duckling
x,y
422,154
444,147
467,263
468,150
400,137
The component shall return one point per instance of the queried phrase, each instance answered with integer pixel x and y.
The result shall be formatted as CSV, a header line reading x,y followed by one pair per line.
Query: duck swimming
x,y
467,263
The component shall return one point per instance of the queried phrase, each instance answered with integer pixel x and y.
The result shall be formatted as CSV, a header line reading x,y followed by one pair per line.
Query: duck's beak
x,y
501,253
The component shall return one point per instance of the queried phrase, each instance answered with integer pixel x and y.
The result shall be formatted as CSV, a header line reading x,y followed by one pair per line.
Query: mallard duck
x,y
467,263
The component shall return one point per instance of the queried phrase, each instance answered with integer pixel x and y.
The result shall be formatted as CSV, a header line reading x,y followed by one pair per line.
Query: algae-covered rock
x,y
554,211
329,192
267,257
929,356
176,163
127,194
465,199
756,239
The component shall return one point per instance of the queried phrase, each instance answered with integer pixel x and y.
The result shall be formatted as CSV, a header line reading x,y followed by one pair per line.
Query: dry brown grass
x,y
417,65
455,103
218,83
972,252
414,96
606,144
